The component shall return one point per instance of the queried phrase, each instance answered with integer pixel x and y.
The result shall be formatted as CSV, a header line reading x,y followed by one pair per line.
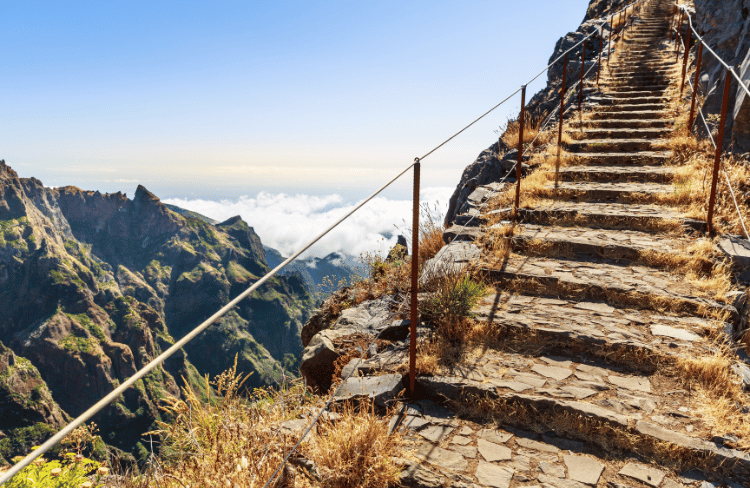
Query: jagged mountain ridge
x,y
93,286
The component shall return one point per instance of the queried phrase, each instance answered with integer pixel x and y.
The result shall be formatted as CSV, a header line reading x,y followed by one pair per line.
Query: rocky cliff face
x,y
93,286
725,26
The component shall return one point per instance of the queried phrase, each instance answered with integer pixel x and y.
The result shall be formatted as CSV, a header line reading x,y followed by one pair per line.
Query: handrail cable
x,y
723,168
47,445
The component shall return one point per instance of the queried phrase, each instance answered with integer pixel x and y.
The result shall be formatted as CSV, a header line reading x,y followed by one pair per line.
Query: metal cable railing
x,y
93,410
718,163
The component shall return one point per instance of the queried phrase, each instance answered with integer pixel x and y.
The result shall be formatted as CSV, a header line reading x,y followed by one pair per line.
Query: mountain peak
x,y
142,195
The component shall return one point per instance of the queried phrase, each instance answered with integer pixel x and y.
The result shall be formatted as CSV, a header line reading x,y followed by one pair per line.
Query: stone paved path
x,y
584,390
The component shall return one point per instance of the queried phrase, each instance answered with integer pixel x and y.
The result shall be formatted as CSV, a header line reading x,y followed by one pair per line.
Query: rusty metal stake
x,y
695,87
580,84
601,46
414,317
685,60
562,102
677,51
717,157
611,32
522,122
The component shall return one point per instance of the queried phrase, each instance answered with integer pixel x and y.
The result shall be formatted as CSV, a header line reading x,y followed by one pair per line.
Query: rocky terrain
x,y
93,286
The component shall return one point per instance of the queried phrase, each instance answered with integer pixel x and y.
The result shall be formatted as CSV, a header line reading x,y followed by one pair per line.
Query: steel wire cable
x,y
723,168
46,446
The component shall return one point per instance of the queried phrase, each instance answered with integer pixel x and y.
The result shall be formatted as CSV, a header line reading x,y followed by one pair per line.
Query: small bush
x,y
450,305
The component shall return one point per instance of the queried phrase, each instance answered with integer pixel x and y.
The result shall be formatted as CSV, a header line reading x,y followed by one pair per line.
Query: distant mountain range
x,y
335,267
94,286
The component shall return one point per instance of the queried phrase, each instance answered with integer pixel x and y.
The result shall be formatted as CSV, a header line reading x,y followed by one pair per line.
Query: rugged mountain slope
x,y
93,286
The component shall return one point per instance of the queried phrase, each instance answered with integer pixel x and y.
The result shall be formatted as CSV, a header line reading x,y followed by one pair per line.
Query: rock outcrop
x,y
725,26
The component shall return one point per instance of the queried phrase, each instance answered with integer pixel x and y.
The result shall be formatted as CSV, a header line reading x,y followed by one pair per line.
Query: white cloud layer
x,y
287,222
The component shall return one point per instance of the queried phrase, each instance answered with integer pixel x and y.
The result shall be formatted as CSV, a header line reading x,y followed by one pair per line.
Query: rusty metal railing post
x,y
677,49
414,317
695,87
601,46
717,157
611,32
583,69
562,102
685,59
521,123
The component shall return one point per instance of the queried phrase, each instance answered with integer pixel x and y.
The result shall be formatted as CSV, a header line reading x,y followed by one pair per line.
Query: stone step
x,y
623,132
622,414
630,173
613,99
609,191
629,114
633,93
634,107
623,87
642,158
637,65
603,280
620,124
641,71
621,245
615,145
451,449
648,218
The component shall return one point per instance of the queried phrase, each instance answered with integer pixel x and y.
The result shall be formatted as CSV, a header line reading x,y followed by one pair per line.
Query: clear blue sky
x,y
219,99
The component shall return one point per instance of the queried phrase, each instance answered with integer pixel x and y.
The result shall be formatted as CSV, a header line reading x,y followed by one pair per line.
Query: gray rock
x,y
318,357
372,315
536,445
553,372
495,436
584,469
738,251
415,475
631,383
441,457
381,389
436,433
491,475
493,452
643,473
453,258
674,332
552,469
559,482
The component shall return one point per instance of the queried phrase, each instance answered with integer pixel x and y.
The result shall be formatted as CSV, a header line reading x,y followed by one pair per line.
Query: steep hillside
x,y
93,286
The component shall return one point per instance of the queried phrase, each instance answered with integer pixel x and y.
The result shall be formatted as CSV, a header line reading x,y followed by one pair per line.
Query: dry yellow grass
x,y
235,440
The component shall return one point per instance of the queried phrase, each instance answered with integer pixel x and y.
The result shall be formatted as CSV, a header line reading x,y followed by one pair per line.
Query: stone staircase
x,y
587,384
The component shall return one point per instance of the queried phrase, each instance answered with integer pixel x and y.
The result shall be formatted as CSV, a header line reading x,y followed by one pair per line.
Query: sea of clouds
x,y
287,222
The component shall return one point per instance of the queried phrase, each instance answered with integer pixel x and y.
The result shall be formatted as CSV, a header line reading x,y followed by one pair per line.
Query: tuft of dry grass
x,y
719,394
236,440
355,450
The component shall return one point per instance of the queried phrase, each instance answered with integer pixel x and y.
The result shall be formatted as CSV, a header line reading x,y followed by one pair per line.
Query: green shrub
x,y
451,303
